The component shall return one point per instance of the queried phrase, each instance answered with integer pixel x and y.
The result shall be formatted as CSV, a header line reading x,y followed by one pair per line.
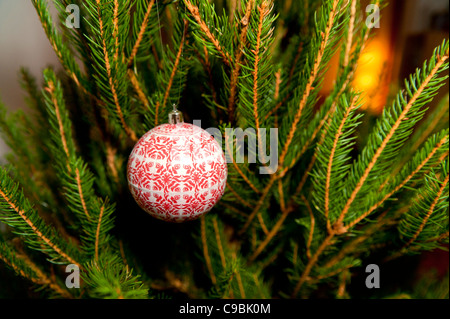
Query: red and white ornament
x,y
177,172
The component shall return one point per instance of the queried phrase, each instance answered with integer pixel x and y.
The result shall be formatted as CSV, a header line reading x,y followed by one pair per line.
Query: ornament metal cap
x,y
175,116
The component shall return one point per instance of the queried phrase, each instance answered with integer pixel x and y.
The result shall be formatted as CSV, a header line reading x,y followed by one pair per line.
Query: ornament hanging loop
x,y
175,116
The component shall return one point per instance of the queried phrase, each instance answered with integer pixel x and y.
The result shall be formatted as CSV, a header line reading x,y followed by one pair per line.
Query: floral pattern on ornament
x,y
177,172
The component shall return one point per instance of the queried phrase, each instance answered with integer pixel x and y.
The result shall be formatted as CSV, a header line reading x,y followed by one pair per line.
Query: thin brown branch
x,y
40,279
351,27
429,213
311,80
311,263
110,160
236,166
259,204
238,278
234,209
331,159
60,56
330,274
219,244
237,63
263,225
38,233
115,33
278,81
353,244
295,254
403,183
341,292
263,12
386,140
174,70
80,192
207,67
141,33
137,88
281,193
204,27
97,233
313,224
122,253
270,235
51,89
131,134
238,197
205,251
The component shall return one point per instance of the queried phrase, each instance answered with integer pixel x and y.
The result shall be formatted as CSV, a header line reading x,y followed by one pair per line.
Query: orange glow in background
x,y
372,77
374,68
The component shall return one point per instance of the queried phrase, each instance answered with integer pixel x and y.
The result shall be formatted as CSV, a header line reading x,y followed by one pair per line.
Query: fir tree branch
x,y
237,62
331,159
207,67
137,88
264,11
51,90
417,94
236,166
141,33
437,117
238,278
115,33
281,194
206,30
353,244
309,86
278,82
311,231
25,268
111,81
311,263
271,234
219,243
174,71
108,278
349,43
62,51
97,233
205,251
80,192
431,154
29,223
259,204
429,213
237,196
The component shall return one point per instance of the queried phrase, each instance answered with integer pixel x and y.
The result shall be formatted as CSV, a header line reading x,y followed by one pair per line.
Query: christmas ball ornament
x,y
177,171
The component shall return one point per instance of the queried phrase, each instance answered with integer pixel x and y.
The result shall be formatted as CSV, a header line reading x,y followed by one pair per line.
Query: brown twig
x,y
205,251
38,233
237,63
203,26
141,33
403,183
309,85
174,71
131,134
387,139
331,159
97,233
429,213
311,231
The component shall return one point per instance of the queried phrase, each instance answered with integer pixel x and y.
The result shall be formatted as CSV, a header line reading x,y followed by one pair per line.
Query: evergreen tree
x,y
302,231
